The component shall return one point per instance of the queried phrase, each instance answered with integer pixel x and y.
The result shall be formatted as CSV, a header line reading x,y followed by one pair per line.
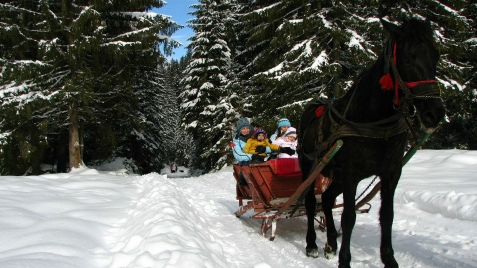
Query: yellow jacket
x,y
253,143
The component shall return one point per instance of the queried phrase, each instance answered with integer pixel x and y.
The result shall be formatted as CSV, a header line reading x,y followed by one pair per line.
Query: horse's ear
x,y
391,28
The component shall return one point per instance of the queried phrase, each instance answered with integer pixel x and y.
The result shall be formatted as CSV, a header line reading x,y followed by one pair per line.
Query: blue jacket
x,y
238,151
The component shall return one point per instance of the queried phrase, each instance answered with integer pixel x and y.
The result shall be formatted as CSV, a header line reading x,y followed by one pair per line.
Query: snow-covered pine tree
x,y
207,111
302,49
156,100
90,57
23,122
459,40
177,142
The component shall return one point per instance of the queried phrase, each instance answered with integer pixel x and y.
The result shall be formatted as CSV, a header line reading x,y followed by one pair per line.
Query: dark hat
x,y
259,130
242,122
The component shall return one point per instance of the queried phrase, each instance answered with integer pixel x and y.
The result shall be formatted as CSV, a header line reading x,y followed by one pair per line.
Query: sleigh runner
x,y
275,190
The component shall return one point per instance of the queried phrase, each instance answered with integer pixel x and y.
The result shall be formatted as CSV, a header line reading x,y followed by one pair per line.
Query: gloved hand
x,y
260,149
287,150
256,157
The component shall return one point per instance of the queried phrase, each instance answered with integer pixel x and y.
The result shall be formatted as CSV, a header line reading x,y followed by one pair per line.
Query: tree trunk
x,y
35,154
81,139
61,152
337,89
74,146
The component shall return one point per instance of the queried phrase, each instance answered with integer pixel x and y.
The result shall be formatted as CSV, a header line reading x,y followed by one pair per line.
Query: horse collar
x,y
350,129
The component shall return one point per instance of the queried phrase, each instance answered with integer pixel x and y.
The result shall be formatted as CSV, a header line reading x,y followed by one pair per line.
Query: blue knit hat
x,y
242,122
284,122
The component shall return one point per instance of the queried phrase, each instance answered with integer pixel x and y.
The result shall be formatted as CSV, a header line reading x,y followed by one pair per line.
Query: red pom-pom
x,y
319,111
386,82
232,144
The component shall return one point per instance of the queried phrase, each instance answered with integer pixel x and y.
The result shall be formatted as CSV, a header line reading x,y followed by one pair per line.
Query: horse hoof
x,y
391,264
387,257
313,252
329,252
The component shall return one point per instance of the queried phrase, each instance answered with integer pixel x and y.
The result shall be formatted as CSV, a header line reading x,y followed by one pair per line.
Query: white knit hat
x,y
291,132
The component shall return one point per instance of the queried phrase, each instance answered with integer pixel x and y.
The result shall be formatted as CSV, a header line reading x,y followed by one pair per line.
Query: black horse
x,y
372,120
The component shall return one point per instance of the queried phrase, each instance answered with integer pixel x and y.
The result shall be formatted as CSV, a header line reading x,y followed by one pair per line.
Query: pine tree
x,y
208,112
459,130
92,60
177,142
22,127
300,49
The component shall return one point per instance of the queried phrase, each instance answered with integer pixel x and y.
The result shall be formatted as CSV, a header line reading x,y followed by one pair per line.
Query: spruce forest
x,y
84,82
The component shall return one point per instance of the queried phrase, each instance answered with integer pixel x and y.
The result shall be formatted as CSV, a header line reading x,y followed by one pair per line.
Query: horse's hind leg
x,y
386,217
328,201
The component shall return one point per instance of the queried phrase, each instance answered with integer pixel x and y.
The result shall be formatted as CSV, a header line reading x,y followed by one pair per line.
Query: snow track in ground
x,y
90,218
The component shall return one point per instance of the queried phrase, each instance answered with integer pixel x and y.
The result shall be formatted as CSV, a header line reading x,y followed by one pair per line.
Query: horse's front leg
x,y
328,201
348,219
386,217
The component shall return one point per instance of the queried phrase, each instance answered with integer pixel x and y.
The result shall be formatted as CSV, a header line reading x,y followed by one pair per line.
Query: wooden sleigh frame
x,y
275,190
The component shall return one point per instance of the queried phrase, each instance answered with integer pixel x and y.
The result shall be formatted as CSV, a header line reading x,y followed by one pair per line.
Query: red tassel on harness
x,y
386,82
319,111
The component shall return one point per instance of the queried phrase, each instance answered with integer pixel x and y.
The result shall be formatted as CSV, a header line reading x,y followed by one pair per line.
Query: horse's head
x,y
412,61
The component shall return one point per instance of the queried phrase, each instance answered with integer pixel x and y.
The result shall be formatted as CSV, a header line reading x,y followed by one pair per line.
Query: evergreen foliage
x,y
97,62
178,145
208,113
100,65
460,130
288,52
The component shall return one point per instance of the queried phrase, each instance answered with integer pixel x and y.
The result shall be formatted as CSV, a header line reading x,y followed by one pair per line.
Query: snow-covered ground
x,y
103,217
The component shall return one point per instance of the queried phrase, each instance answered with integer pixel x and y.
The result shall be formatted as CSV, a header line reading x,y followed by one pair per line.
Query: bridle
x,y
422,89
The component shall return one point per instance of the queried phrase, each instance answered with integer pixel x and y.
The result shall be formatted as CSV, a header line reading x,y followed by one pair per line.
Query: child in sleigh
x,y
287,140
256,145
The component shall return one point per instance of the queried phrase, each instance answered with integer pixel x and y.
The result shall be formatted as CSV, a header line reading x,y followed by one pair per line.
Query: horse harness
x,y
349,129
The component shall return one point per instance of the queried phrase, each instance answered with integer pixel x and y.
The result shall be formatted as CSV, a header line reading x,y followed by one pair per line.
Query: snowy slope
x,y
95,218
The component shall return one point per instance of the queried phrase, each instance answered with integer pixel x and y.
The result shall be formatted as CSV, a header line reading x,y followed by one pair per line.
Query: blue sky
x,y
178,9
